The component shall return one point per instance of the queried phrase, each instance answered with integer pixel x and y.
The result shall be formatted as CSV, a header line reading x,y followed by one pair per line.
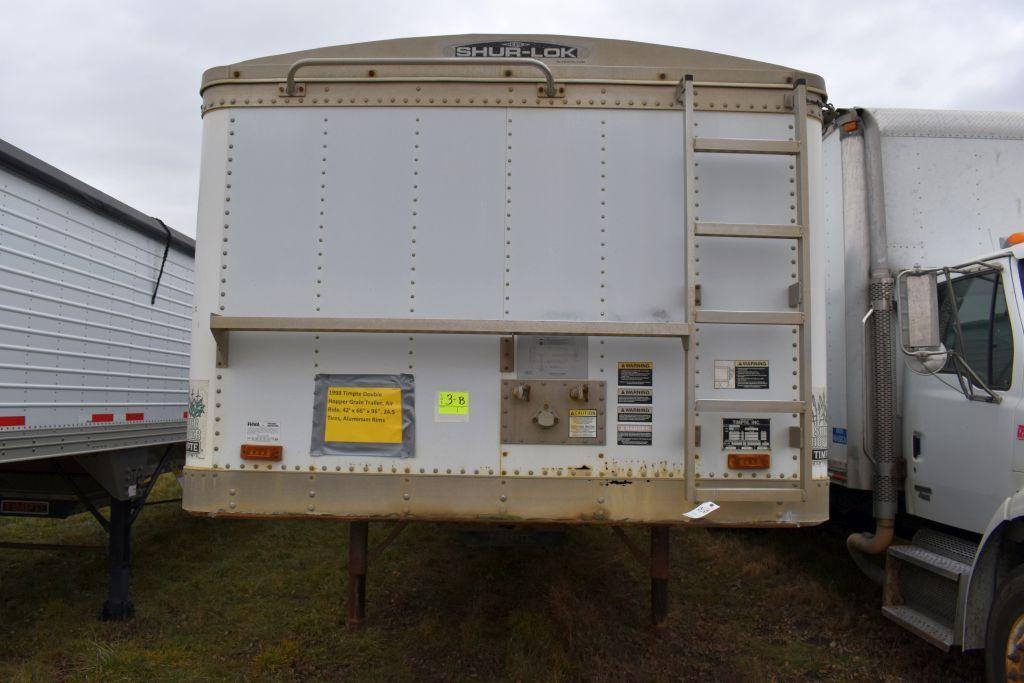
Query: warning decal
x,y
635,414
636,374
741,374
645,396
635,435
583,423
746,434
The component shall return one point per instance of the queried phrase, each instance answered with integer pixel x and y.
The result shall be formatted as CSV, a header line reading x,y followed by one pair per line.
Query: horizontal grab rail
x,y
221,325
421,61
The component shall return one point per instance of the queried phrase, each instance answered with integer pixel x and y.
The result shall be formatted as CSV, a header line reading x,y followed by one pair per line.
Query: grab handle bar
x,y
420,61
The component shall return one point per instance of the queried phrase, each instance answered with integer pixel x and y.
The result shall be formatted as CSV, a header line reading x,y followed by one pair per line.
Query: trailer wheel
x,y
1004,640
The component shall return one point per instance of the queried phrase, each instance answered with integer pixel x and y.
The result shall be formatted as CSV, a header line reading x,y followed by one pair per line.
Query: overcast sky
x,y
108,90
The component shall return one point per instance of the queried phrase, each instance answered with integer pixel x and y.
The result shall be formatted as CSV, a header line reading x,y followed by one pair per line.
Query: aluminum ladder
x,y
799,295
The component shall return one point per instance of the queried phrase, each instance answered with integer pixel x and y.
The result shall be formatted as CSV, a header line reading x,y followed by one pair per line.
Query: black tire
x,y
1007,613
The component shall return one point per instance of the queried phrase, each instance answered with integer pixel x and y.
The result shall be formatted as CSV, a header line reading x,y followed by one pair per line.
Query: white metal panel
x,y
947,199
272,212
555,203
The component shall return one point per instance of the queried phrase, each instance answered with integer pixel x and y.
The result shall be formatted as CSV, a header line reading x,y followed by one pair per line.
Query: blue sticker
x,y
838,435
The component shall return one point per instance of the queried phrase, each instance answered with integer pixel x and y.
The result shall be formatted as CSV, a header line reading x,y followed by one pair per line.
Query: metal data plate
x,y
576,408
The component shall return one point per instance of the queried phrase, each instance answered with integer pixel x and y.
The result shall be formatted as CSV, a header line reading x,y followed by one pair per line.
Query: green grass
x,y
263,600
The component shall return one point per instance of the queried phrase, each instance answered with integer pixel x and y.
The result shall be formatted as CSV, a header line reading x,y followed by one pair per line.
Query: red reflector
x,y
102,417
261,452
25,507
134,417
12,421
750,461
185,416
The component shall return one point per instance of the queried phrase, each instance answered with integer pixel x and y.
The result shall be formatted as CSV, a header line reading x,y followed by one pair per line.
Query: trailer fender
x,y
981,588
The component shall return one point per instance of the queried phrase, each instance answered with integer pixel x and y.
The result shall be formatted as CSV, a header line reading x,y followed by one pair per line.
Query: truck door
x,y
959,452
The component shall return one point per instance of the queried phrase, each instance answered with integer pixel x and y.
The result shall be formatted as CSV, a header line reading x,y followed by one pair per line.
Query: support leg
x,y
355,608
659,575
118,605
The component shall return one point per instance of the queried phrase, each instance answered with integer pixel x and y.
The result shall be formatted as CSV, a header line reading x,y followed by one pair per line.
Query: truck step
x,y
936,633
924,558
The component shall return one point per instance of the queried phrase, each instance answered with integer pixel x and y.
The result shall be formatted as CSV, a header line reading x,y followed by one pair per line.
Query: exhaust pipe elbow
x,y
861,545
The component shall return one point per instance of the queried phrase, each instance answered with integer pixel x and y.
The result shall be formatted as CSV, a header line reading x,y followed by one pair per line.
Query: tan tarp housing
x,y
570,58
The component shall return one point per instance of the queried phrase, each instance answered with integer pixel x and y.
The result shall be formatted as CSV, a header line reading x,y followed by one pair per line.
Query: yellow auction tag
x,y
453,403
363,415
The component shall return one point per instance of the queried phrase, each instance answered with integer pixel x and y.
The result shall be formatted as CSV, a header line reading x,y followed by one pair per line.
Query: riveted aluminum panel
x,y
80,342
521,214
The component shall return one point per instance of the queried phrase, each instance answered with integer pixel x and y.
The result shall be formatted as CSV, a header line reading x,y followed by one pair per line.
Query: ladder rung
x,y
745,146
750,494
723,405
750,317
747,230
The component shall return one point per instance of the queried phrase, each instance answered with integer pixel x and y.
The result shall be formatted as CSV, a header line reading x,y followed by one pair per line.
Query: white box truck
x,y
95,305
926,364
514,280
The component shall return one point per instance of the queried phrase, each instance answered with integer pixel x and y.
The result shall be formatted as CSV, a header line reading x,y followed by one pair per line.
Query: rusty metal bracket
x,y
508,354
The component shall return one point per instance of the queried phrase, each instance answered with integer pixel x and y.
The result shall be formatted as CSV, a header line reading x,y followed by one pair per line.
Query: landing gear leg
x,y
659,575
118,605
355,607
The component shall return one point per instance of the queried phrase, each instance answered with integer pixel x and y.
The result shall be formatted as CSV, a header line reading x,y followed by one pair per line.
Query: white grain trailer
x,y
95,304
510,279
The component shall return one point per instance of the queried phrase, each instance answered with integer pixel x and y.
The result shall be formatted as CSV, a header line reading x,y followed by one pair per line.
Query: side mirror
x,y
919,312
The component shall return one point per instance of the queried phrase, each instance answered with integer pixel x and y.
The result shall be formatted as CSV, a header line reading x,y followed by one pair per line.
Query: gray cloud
x,y
107,90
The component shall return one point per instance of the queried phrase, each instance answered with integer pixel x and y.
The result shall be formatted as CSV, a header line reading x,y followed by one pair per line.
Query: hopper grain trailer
x,y
95,305
510,279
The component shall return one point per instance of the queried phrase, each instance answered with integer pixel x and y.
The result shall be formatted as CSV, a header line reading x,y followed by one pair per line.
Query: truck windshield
x,y
987,343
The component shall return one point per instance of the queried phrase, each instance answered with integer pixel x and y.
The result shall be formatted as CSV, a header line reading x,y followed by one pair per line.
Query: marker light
x,y
1015,238
849,126
261,452
750,461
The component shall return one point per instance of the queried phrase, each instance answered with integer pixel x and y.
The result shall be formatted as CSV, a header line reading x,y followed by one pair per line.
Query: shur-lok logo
x,y
519,48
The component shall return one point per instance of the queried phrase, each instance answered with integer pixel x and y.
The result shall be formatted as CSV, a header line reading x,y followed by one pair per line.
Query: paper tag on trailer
x,y
702,510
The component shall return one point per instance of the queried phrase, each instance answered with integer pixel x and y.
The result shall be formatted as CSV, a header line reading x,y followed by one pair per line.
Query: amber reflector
x,y
750,461
849,126
261,452
1015,238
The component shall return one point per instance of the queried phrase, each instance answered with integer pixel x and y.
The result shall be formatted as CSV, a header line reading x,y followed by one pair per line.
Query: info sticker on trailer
x,y
631,395
583,423
636,374
741,374
452,406
262,431
363,415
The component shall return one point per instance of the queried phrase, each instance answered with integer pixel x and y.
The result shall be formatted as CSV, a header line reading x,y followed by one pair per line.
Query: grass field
x,y
233,599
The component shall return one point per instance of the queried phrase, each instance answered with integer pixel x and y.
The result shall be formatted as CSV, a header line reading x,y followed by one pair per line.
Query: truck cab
x,y
926,366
